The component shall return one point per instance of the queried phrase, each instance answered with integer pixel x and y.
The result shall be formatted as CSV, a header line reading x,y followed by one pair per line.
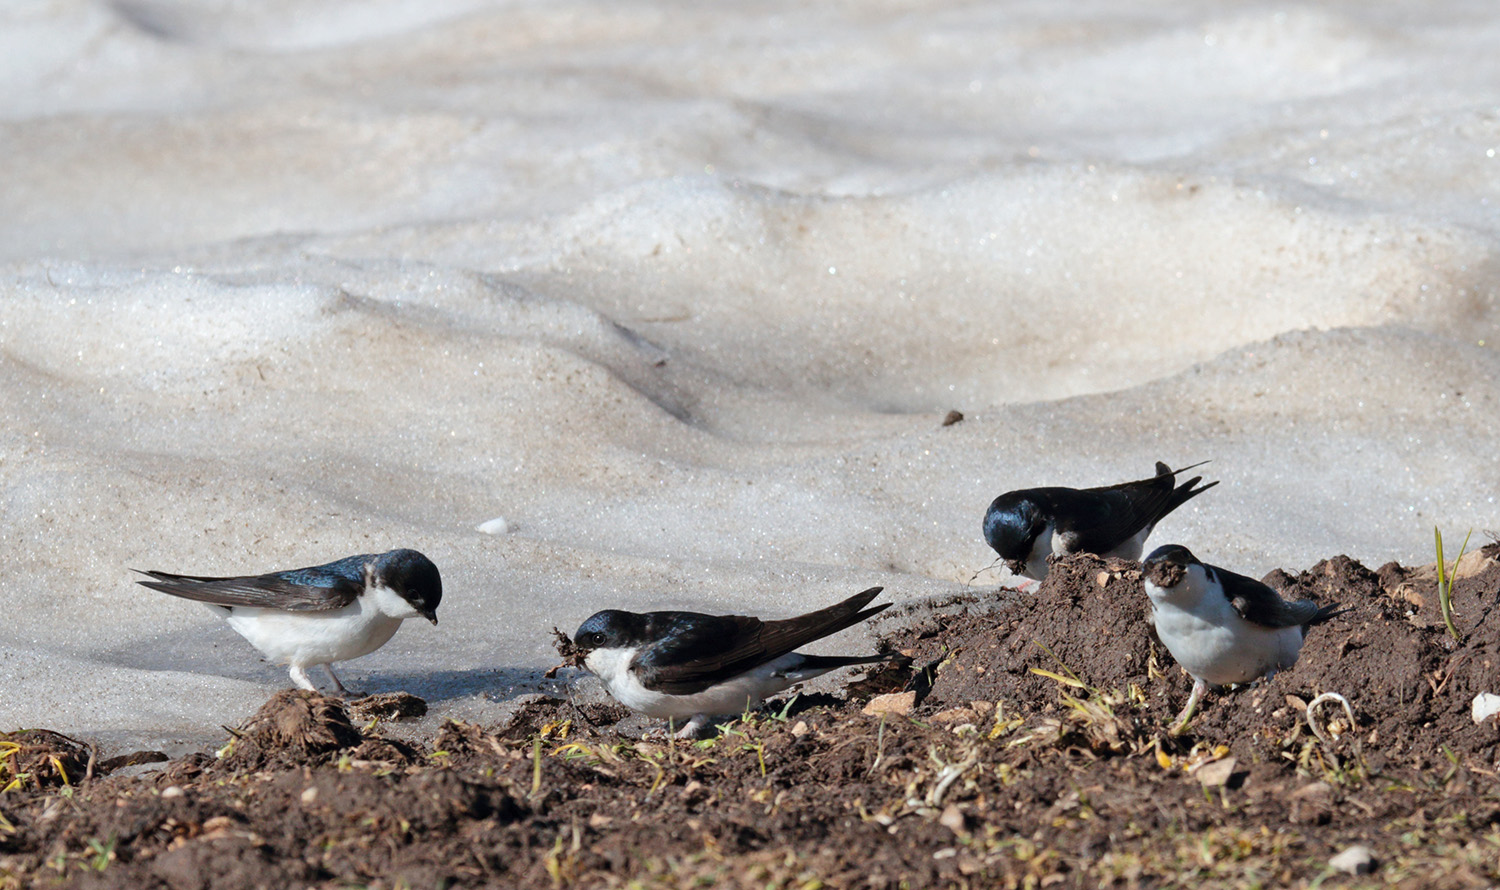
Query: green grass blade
x,y
1445,580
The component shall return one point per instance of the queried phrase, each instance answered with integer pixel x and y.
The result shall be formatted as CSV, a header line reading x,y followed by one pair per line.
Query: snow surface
x,y
651,304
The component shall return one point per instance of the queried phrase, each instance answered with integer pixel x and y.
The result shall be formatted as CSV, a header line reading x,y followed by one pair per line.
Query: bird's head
x,y
1011,526
413,578
1167,565
610,629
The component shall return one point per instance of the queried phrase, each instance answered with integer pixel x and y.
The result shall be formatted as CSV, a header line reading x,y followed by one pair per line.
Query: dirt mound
x,y
1086,632
297,726
1088,618
1411,684
41,758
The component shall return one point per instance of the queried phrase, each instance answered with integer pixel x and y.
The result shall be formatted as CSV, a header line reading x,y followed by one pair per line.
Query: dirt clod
x,y
893,703
41,758
572,656
293,726
387,706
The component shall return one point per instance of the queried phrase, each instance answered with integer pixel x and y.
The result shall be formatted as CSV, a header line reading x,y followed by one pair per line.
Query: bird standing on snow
x,y
321,614
690,665
1221,627
1029,525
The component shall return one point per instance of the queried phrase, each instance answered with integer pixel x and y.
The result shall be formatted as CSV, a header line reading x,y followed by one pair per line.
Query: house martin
x,y
689,665
321,614
1222,627
1029,525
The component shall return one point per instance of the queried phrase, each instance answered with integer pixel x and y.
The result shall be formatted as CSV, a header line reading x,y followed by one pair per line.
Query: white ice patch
x,y
285,282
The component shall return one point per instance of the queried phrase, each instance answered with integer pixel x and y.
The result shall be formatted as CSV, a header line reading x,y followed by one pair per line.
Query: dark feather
x,y
1113,514
699,651
1261,605
313,589
1331,610
830,662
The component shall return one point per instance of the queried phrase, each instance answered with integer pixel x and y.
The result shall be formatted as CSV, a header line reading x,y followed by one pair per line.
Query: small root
x,y
1317,730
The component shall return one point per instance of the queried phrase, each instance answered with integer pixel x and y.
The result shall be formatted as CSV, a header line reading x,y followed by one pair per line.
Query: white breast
x,y
612,666
1131,547
1212,641
1041,548
311,638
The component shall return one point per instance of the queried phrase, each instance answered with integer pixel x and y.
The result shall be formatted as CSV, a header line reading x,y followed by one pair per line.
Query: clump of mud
x,y
298,726
388,706
571,655
41,758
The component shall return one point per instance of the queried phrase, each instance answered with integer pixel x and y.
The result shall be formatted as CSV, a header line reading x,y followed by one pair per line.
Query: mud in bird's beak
x,y
429,614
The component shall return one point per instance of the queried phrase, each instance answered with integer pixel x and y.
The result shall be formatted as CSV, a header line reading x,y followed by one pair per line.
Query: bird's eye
x,y
594,639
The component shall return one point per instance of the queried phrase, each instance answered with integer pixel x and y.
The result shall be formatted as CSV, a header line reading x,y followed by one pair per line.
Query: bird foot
x,y
340,690
1180,724
692,731
696,728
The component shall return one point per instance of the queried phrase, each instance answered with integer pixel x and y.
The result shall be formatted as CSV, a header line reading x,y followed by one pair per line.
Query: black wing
x,y
1261,605
1097,520
699,651
315,589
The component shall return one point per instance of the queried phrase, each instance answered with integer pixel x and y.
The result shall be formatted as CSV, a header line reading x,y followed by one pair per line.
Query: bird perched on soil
x,y
321,614
689,665
1222,627
1029,525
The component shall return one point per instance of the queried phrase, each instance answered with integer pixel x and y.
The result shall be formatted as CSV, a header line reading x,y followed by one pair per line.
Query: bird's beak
x,y
430,615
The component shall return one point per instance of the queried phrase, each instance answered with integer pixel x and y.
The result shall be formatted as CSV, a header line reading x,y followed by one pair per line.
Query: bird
x,y
1028,525
690,665
320,614
1222,627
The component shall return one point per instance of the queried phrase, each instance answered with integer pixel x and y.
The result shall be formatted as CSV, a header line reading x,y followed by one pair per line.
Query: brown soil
x,y
1410,685
998,776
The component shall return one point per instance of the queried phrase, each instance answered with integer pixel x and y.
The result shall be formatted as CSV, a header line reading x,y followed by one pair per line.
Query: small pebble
x,y
310,795
172,791
953,819
1486,705
897,703
1357,860
1216,773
